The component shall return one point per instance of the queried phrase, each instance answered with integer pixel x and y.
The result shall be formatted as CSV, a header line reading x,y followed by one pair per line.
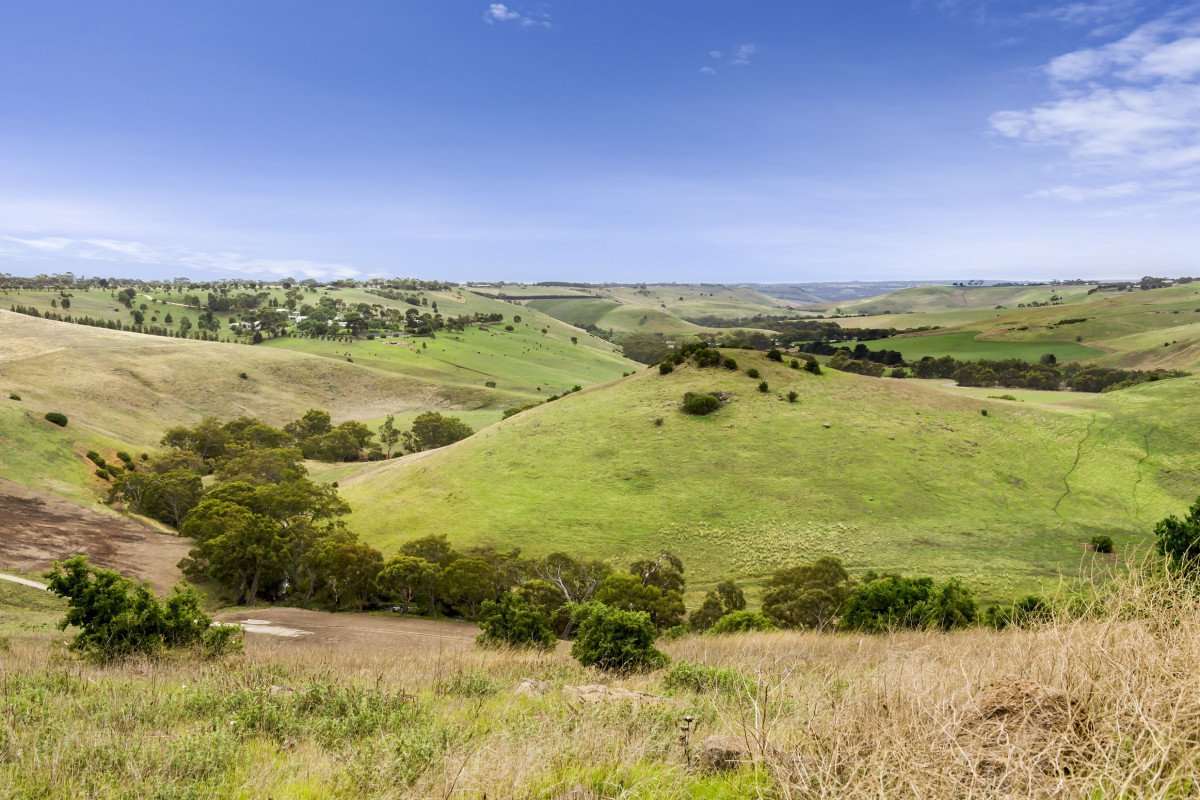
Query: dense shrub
x,y
118,618
14,396
513,622
729,364
666,368
1029,610
1102,544
1179,539
700,403
887,602
57,418
722,600
813,366
753,373
775,355
792,396
742,622
615,640
763,387
794,364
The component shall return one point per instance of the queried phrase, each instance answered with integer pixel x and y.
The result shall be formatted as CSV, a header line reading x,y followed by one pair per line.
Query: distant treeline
x,y
1012,373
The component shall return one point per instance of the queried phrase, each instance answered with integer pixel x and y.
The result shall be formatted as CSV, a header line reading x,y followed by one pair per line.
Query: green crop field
x,y
967,346
886,474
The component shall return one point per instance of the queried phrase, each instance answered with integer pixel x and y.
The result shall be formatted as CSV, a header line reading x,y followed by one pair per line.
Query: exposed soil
x,y
304,627
36,530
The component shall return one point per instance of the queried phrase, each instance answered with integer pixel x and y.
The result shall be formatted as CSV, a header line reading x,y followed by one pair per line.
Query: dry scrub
x,y
1107,707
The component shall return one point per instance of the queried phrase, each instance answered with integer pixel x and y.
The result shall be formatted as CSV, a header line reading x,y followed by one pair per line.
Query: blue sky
x,y
620,141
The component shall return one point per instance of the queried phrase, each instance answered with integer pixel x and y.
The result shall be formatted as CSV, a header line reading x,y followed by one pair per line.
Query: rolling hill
x,y
887,474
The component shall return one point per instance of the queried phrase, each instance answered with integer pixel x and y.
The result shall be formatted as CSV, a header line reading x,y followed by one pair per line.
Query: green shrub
x,y
1102,544
222,640
57,418
703,679
125,457
666,368
775,355
763,387
513,622
898,372
812,366
887,602
117,617
15,396
1029,610
95,458
729,363
794,364
753,373
615,640
792,396
742,622
700,403
1179,539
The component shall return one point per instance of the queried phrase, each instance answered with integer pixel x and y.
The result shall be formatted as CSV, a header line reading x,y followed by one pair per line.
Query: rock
x,y
531,687
599,693
723,753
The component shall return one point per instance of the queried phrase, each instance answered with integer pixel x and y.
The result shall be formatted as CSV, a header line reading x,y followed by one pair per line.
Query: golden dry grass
x,y
1104,707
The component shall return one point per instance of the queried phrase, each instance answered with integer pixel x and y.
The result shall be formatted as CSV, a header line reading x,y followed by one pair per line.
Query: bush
x,y
118,618
703,679
222,640
699,403
1102,544
1029,610
888,602
812,366
742,622
792,396
808,595
1179,539
729,363
513,622
794,364
753,373
666,368
95,458
57,418
763,387
775,355
614,640
898,372
15,396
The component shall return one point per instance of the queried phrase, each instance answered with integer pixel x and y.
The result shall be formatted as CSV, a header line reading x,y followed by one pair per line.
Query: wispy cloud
x,y
740,56
501,12
119,251
1129,107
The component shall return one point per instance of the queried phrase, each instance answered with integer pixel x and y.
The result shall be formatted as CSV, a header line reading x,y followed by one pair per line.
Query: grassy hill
x,y
886,474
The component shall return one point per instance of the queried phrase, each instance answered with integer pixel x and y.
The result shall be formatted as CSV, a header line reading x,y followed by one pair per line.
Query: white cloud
x,y
120,251
707,71
500,12
1079,194
1092,12
1129,108
717,54
743,54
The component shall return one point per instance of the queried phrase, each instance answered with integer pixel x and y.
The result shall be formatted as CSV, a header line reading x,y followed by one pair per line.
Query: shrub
x,y
666,368
792,396
812,366
513,622
15,396
221,640
1029,610
490,384
1102,544
125,457
898,372
703,679
57,418
753,373
700,403
742,622
729,363
243,376
95,458
509,328
807,596
658,422
118,618
763,387
775,355
888,602
615,640
1179,539
794,364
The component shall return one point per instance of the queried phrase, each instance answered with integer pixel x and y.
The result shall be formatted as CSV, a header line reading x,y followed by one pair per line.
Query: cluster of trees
x,y
1009,373
169,486
184,331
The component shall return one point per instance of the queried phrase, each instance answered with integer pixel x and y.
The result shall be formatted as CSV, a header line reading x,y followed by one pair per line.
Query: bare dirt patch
x,y
36,530
322,629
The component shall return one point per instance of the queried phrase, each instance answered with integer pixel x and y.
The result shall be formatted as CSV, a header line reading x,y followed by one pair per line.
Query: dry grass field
x,y
1100,707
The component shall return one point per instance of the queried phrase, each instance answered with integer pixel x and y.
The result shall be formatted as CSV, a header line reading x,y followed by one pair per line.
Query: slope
x,y
886,474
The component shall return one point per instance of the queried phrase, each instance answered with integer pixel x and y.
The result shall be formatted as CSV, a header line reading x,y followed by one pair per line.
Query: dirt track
x,y
324,629
36,530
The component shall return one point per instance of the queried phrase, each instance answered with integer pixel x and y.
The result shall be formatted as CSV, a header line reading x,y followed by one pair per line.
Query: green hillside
x,y
888,474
